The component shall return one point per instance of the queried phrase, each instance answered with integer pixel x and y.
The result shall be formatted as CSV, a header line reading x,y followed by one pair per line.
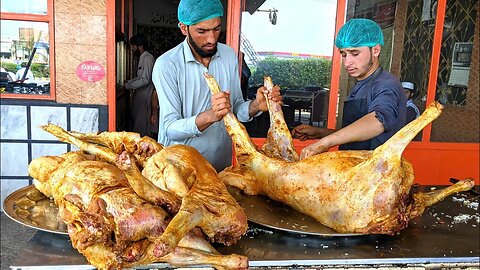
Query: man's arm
x,y
175,126
363,129
220,106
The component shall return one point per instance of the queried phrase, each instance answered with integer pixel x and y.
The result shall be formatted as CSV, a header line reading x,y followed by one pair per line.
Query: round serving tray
x,y
10,209
276,215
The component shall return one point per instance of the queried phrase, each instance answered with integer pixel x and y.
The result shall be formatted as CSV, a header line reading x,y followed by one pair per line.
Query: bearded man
x,y
189,113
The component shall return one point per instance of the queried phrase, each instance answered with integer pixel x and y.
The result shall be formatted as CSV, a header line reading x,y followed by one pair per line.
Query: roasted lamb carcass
x,y
365,192
179,171
108,223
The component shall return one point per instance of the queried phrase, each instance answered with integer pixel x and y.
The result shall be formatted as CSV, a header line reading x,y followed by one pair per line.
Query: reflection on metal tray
x,y
276,215
29,207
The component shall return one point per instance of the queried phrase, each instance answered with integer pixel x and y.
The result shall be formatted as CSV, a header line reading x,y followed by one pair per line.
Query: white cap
x,y
408,85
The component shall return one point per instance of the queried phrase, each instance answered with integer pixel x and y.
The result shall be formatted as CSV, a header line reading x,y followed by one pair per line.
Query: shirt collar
x,y
189,55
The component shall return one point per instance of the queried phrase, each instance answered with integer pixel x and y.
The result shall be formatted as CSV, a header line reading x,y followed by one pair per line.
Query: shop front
x,y
78,55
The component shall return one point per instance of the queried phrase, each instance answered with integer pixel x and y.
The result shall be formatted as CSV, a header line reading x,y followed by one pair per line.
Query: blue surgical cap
x,y
358,33
194,11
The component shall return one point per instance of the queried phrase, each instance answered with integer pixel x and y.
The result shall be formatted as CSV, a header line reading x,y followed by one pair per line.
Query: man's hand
x,y
304,132
307,132
220,105
154,118
315,148
260,103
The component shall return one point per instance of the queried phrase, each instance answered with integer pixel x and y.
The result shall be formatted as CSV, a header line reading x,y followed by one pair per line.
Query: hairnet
x,y
359,33
194,11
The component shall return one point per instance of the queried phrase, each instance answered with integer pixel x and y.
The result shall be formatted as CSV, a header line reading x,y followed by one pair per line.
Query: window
x,y
299,61
26,35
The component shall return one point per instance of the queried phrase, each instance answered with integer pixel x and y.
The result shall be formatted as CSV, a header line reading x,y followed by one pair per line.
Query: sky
x,y
305,26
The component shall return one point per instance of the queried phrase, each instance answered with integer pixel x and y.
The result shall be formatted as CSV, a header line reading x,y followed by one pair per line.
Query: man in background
x,y
28,78
142,87
412,111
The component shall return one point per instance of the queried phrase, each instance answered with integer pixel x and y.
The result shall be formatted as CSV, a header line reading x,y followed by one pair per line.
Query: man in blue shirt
x,y
412,111
189,113
376,106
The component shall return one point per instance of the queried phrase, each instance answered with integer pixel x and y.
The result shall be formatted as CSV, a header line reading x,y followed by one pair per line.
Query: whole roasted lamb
x,y
365,192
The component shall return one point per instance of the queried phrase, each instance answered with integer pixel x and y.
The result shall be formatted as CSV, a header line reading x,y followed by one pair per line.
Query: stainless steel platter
x,y
276,215
41,213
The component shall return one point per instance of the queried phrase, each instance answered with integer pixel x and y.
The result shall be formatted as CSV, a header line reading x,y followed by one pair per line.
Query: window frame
x,y
48,18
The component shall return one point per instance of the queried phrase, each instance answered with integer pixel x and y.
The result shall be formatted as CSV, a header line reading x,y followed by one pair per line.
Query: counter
x,y
446,235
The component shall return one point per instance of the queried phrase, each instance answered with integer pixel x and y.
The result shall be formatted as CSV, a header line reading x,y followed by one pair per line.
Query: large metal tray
x,y
40,218
276,215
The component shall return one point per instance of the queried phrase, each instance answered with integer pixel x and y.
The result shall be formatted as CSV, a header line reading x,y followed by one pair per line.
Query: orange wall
x,y
433,163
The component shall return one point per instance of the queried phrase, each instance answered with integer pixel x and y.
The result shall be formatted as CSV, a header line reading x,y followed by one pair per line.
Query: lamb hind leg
x,y
394,146
279,142
102,152
141,148
144,188
422,200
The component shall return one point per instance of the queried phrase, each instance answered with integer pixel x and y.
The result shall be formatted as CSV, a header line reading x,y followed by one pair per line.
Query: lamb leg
x,y
145,189
394,146
279,142
140,147
424,199
242,143
207,204
100,151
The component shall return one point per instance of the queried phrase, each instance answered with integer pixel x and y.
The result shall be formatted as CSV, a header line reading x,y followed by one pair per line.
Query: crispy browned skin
x,y
141,148
96,202
349,191
173,175
144,188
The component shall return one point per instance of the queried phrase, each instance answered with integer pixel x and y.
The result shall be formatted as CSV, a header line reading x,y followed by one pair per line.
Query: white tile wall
x,y
42,115
14,126
84,119
14,159
40,149
11,185
13,122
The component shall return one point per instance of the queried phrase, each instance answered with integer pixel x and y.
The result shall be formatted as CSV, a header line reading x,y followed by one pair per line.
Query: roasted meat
x,y
115,216
279,142
365,192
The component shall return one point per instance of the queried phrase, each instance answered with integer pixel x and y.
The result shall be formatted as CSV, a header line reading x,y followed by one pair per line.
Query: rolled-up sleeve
x,y
384,102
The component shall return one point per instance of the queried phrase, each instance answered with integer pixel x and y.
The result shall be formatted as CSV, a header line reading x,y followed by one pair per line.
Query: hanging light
x,y
272,14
